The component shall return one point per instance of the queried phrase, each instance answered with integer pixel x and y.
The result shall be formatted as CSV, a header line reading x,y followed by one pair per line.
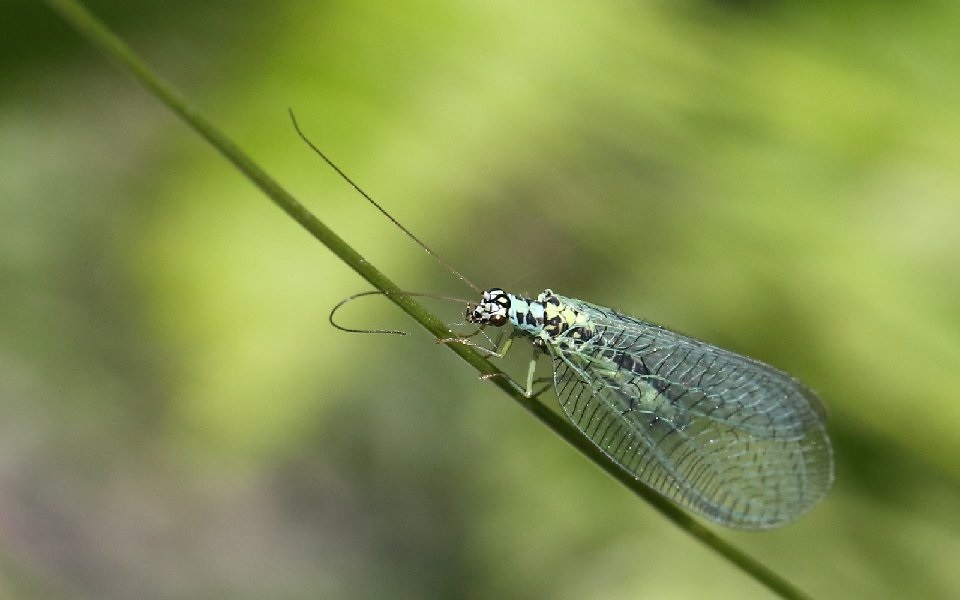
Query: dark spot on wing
x,y
628,363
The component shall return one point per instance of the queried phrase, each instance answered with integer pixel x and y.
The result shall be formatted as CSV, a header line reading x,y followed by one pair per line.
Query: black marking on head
x,y
492,309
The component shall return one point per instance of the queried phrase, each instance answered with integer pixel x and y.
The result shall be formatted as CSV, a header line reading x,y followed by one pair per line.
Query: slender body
x,y
726,436
731,438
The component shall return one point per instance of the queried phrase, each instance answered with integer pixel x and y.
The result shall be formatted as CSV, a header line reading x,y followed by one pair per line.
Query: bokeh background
x,y
178,419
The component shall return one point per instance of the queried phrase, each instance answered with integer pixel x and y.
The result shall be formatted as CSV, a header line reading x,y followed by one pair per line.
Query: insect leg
x,y
501,352
466,341
531,371
497,351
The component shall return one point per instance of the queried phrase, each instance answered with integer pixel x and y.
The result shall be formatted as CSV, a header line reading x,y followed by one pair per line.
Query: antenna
x,y
383,211
353,297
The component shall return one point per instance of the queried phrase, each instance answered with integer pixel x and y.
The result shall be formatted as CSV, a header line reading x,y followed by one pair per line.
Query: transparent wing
x,y
731,438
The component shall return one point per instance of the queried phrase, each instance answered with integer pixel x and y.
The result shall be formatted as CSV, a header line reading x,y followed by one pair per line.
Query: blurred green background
x,y
178,419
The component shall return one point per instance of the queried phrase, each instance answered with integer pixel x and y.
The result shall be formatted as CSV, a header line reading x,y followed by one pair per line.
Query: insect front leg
x,y
500,350
466,340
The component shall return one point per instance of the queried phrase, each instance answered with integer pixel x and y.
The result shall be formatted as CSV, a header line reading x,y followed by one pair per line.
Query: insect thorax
x,y
547,318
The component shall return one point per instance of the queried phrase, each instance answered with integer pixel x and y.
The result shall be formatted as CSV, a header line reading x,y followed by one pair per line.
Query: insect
x,y
728,437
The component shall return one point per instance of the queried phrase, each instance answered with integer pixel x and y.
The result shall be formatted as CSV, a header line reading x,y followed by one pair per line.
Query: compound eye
x,y
498,320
